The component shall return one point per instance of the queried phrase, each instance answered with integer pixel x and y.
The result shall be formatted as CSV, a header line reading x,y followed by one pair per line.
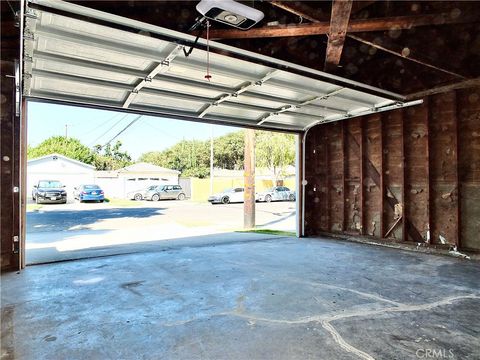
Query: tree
x,y
70,147
111,157
275,151
228,150
191,157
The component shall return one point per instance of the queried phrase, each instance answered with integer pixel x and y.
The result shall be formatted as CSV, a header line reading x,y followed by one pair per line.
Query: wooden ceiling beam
x,y
360,5
441,89
360,25
295,11
404,55
305,11
338,31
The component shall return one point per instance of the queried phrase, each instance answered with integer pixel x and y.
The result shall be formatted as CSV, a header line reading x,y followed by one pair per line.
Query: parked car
x,y
89,193
161,192
49,191
233,195
276,193
140,194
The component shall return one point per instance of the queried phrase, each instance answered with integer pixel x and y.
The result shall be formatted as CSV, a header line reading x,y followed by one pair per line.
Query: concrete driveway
x,y
59,232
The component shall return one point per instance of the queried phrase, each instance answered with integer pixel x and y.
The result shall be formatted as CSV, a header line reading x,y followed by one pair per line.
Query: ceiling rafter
x,y
294,10
339,19
305,11
355,26
441,89
405,55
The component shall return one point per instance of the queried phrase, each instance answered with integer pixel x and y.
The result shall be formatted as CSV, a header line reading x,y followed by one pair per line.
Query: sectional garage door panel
x,y
70,59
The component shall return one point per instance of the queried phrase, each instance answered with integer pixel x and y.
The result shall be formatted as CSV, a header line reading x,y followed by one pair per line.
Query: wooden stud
x,y
344,177
327,175
373,173
458,177
404,208
362,175
382,179
428,169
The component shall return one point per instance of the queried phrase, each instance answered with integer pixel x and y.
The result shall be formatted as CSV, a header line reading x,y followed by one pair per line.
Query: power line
x,y
162,131
121,131
98,138
106,122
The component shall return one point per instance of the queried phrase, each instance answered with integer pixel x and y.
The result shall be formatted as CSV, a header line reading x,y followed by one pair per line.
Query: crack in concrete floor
x,y
326,319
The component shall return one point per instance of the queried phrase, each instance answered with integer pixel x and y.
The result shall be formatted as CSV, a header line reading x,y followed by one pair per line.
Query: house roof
x,y
52,156
144,167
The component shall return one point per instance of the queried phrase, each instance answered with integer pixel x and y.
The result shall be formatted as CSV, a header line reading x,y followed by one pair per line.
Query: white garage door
x,y
72,60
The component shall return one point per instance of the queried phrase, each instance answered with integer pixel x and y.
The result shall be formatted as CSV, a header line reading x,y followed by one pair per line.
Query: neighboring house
x,y
117,183
69,171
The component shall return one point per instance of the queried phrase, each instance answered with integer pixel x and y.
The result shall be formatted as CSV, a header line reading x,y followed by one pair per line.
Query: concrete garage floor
x,y
261,297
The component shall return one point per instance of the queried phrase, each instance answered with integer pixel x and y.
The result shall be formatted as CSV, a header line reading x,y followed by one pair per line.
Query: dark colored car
x,y
49,191
89,193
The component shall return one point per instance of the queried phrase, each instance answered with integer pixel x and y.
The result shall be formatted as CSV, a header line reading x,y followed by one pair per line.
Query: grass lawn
x,y
34,207
270,232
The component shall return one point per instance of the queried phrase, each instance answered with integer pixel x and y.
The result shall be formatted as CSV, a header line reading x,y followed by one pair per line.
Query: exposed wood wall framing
x,y
10,131
409,175
11,155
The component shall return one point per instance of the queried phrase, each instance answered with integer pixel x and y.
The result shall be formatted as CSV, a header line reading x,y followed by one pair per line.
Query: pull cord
x,y
208,76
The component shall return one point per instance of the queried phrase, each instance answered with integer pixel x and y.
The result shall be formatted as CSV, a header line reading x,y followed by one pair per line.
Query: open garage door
x,y
83,57
79,55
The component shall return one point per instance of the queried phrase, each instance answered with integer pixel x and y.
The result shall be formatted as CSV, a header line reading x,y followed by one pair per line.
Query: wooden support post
x,y
249,178
404,210
428,169
336,35
458,179
362,175
382,179
344,177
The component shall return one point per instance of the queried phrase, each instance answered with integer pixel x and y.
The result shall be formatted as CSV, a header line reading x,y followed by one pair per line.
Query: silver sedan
x,y
277,193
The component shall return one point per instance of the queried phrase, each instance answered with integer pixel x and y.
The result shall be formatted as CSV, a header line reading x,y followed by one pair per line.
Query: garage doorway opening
x,y
103,182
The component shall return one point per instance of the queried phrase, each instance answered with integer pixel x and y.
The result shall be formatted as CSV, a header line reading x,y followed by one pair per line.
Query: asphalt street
x,y
74,230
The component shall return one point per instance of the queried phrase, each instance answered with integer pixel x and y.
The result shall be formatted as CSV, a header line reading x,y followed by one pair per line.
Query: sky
x,y
93,126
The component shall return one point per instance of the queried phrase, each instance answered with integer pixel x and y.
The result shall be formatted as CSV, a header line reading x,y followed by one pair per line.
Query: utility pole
x,y
66,135
211,159
249,180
